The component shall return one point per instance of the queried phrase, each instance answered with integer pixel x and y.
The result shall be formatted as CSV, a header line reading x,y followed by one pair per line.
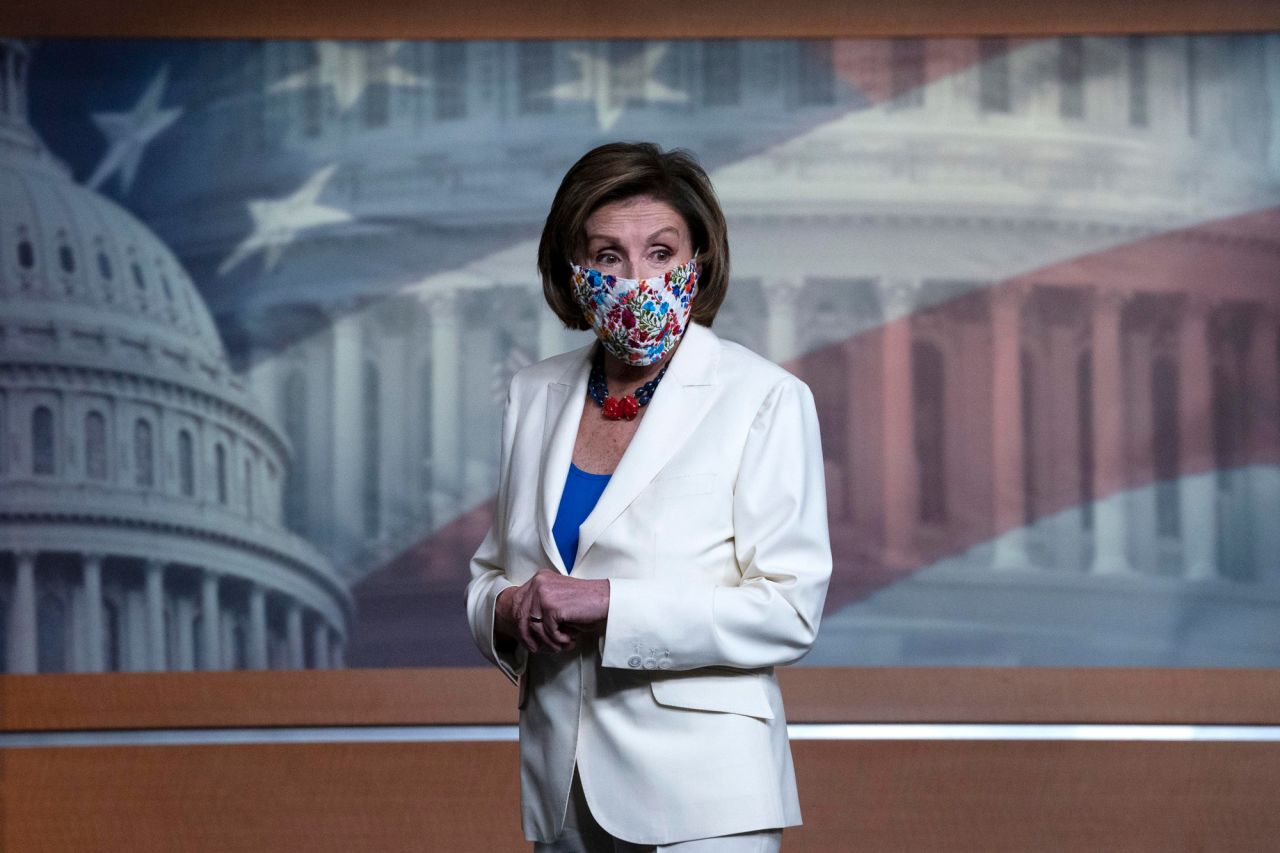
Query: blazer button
x,y
633,661
665,663
650,663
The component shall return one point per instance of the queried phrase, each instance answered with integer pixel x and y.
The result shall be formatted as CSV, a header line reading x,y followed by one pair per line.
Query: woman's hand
x,y
565,606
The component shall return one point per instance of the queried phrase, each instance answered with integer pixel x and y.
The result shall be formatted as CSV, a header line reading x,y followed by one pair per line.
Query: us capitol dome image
x,y
140,487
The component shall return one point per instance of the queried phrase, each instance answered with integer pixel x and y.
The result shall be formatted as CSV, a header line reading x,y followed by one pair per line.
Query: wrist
x,y
604,592
502,615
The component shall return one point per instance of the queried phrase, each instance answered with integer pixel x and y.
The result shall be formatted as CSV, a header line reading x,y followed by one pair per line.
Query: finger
x,y
541,595
551,628
553,637
539,631
525,628
535,628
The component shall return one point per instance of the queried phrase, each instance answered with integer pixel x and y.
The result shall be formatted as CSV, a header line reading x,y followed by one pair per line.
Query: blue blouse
x,y
581,491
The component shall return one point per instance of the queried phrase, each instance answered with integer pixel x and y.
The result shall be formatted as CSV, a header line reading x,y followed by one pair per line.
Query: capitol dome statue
x,y
142,490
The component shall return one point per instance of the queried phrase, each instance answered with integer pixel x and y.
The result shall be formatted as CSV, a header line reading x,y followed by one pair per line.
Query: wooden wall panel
x,y
1037,797
856,795
484,696
620,18
309,798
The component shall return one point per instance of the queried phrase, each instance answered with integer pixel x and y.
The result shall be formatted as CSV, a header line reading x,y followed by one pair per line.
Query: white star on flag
x,y
129,133
276,222
596,85
344,67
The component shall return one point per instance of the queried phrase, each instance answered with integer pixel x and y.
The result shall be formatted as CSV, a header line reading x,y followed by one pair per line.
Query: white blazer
x,y
713,535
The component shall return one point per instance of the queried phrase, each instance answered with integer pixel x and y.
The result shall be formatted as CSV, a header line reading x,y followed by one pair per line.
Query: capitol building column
x,y
347,434
210,630
553,337
1110,528
393,359
155,615
184,654
22,626
851,349
1264,438
780,329
257,627
1145,556
1066,526
548,334
337,656
320,643
93,612
446,439
293,630
1196,463
1009,511
900,483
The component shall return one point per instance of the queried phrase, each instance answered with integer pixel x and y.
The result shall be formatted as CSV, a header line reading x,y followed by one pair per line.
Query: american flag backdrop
x,y
1034,285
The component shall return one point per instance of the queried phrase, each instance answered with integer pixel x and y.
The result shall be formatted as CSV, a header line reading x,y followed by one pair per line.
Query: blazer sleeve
x,y
488,574
783,549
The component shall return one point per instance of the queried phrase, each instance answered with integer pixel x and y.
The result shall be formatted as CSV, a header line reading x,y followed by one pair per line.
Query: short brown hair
x,y
620,170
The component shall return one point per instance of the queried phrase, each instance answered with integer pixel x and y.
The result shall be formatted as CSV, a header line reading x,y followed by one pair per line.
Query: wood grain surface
x,y
915,797
143,700
506,19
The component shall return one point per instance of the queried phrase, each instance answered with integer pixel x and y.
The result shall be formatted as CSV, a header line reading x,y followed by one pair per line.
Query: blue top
x,y
581,491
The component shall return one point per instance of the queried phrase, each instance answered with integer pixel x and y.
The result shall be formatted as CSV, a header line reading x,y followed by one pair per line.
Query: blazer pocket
x,y
733,693
683,484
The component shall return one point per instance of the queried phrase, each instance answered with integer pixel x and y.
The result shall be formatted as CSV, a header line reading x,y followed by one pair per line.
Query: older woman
x,y
660,538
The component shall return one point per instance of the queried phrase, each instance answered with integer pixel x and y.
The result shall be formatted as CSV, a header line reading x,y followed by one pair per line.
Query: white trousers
x,y
582,834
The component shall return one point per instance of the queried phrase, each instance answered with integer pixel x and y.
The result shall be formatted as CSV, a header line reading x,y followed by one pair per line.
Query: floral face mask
x,y
637,320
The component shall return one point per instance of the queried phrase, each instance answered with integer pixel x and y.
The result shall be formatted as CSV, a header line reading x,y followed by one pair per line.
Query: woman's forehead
x,y
637,217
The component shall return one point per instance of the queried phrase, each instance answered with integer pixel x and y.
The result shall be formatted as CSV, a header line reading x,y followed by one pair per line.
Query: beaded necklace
x,y
619,408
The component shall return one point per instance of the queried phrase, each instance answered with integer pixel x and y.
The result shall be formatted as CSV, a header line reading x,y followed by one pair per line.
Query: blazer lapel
x,y
682,399
565,395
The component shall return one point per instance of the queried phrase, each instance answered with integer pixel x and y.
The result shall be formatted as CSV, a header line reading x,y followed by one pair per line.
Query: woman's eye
x,y
662,255
606,258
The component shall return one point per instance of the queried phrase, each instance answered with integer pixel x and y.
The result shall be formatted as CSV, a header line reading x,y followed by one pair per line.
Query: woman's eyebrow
x,y
609,238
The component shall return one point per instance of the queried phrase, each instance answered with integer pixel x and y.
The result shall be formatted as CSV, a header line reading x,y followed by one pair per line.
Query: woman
x,y
660,535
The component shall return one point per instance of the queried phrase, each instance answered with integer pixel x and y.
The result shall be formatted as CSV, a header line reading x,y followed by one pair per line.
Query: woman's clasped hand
x,y
550,610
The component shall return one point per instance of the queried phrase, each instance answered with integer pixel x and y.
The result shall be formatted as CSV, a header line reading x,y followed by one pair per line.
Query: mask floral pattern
x,y
637,320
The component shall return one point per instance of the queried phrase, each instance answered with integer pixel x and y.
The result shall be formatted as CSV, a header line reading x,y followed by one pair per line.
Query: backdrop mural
x,y
259,302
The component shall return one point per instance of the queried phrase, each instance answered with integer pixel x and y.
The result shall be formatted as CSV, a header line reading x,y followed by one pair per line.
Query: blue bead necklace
x,y
619,408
